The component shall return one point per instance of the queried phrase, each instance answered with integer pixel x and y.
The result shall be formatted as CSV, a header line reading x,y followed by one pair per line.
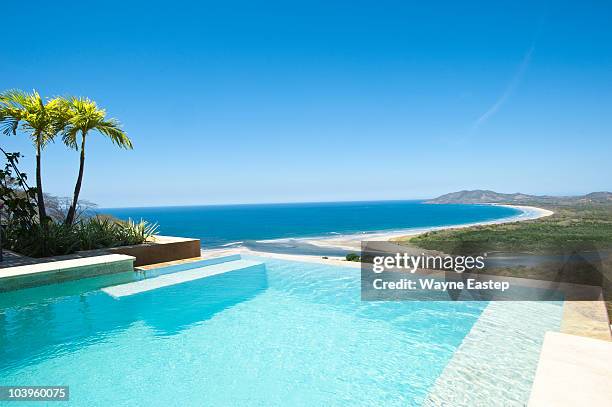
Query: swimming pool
x,y
284,333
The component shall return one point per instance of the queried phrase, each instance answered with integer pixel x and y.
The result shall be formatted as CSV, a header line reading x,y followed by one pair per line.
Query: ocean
x,y
279,227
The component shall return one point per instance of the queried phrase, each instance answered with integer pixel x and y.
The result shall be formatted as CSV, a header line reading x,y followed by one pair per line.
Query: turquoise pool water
x,y
286,333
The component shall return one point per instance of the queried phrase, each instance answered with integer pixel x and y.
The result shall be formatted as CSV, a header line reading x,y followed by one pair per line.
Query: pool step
x,y
180,277
498,357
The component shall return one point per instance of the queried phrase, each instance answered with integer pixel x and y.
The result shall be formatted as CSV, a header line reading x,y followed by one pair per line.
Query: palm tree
x,y
42,120
83,116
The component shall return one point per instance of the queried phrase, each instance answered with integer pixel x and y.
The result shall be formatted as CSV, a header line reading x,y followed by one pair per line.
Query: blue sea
x,y
258,226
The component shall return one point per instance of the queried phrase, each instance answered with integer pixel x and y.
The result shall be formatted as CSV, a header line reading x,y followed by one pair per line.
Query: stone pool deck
x,y
53,272
573,371
18,271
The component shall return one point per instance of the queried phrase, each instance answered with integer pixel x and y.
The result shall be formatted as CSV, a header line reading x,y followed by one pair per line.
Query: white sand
x,y
353,241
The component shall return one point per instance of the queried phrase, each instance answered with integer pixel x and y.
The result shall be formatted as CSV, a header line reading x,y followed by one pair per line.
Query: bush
x,y
131,232
57,238
36,240
353,257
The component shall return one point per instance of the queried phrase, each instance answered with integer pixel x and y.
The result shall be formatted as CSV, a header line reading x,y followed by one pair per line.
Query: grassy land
x,y
580,226
573,227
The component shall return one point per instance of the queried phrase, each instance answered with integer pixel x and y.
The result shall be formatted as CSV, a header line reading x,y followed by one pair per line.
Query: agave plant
x,y
137,232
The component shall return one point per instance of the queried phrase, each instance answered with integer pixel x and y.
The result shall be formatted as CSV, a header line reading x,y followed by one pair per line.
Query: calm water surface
x,y
226,224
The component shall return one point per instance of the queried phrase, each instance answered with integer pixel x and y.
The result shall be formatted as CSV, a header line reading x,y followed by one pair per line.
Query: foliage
x,y
67,226
97,233
30,113
574,227
40,119
136,232
58,238
43,119
16,197
103,231
587,226
353,257
52,239
82,116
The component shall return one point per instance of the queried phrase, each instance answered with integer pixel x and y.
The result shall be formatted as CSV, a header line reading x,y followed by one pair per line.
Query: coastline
x,y
352,242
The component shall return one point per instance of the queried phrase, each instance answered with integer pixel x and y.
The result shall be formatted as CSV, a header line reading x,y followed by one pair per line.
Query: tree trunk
x,y
42,213
77,188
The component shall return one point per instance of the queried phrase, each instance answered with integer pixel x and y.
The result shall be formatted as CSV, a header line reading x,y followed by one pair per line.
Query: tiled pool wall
x,y
60,275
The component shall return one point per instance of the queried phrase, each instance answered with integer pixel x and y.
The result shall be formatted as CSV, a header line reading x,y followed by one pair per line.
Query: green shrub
x,y
57,238
353,257
131,232
97,233
39,241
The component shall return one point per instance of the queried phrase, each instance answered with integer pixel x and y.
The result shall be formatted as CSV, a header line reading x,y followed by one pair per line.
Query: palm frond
x,y
29,109
84,116
111,128
12,110
69,137
15,98
8,124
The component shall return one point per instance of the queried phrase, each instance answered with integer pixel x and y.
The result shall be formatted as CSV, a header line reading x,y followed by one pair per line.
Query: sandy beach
x,y
352,242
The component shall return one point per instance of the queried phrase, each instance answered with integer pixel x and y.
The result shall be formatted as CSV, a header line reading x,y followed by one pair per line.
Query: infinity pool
x,y
286,333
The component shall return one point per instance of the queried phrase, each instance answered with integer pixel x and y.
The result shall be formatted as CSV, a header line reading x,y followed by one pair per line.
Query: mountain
x,y
602,197
486,196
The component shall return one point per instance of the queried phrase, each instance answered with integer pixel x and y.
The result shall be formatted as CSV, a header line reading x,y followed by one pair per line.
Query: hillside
x,y
486,196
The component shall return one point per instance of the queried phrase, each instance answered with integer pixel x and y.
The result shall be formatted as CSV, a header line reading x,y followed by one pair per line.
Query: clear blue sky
x,y
231,102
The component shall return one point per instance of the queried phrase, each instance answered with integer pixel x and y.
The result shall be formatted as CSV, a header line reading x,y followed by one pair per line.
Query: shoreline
x,y
352,242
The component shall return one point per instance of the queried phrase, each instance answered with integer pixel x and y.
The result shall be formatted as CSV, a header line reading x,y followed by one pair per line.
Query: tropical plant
x,y
97,232
17,199
63,225
132,233
353,257
42,240
83,116
42,120
58,238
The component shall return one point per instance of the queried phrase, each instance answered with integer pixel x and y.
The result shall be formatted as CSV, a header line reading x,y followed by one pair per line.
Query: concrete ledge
x,y
162,249
186,264
586,318
573,371
52,272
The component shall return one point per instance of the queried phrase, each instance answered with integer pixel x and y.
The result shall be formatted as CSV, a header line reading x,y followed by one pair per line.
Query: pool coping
x,y
572,370
53,272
